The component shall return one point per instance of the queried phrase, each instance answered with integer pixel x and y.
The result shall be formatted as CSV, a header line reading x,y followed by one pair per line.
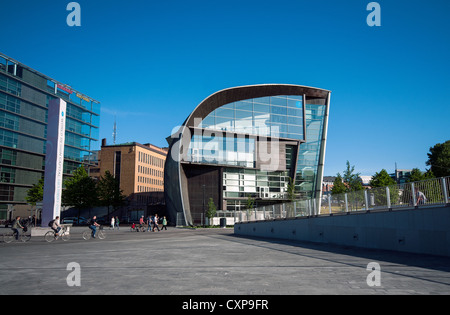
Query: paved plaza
x,y
210,262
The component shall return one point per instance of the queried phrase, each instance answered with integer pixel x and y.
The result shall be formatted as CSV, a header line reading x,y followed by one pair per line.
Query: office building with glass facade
x,y
24,97
247,143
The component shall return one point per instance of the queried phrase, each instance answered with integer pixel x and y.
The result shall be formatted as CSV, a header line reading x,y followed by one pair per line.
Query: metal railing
x,y
431,192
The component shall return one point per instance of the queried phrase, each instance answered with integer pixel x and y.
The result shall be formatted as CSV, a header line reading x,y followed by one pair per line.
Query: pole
x,y
204,213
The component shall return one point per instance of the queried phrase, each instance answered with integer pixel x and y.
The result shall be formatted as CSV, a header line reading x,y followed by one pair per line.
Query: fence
x,y
431,192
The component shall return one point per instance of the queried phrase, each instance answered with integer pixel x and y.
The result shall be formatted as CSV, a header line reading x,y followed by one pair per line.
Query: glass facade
x,y
24,98
239,124
244,146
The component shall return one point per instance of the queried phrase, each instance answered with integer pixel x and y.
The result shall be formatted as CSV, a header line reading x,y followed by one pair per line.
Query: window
x,y
117,162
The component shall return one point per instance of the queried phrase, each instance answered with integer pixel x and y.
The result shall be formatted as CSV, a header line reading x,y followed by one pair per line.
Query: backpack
x,y
50,224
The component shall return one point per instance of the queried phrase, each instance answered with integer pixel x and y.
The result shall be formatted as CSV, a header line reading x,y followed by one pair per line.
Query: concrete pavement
x,y
210,262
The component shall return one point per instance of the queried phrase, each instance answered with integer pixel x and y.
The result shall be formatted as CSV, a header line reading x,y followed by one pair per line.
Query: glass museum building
x,y
24,98
247,143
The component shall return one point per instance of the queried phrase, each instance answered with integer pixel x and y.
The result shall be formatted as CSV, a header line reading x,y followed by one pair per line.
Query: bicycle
x,y
8,238
63,234
87,235
138,228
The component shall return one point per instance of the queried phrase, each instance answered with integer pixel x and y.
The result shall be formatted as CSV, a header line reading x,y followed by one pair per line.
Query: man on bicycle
x,y
93,225
16,226
56,226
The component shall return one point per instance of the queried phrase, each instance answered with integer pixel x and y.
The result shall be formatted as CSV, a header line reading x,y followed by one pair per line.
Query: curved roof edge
x,y
235,94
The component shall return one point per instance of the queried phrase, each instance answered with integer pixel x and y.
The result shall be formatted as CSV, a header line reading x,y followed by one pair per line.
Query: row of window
x,y
148,189
150,171
150,181
12,193
150,159
50,86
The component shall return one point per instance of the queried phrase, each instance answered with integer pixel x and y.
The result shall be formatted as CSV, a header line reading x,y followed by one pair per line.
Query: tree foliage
x,y
80,191
291,190
417,175
109,192
348,182
36,193
338,186
211,212
439,159
382,179
352,179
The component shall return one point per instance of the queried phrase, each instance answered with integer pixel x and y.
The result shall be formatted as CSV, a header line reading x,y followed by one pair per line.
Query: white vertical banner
x,y
54,160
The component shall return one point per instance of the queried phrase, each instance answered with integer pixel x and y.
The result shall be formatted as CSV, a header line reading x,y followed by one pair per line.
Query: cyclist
x,y
93,225
16,226
56,226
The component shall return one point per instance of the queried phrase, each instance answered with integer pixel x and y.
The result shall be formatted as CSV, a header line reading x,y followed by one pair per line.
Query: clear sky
x,y
150,63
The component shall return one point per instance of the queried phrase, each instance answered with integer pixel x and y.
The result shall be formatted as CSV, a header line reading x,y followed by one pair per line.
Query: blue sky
x,y
150,63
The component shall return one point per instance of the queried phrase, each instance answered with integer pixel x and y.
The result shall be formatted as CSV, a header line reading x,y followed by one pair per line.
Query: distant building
x,y
328,183
401,176
140,171
24,98
365,180
138,167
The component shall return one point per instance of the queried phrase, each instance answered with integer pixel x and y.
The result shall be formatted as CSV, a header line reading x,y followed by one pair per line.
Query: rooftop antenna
x,y
114,131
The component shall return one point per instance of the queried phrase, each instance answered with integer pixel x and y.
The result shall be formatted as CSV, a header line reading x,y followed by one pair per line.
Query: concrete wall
x,y
423,231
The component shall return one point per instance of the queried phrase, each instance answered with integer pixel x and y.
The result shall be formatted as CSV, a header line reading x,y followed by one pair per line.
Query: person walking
x,y
112,223
164,223
117,223
149,223
141,222
155,222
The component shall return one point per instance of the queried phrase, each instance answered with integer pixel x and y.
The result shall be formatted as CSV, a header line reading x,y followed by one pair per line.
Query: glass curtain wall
x,y
278,116
24,99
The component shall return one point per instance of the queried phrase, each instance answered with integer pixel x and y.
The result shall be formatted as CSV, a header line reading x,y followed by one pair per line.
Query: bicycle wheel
x,y
101,235
8,238
87,235
65,236
25,238
50,237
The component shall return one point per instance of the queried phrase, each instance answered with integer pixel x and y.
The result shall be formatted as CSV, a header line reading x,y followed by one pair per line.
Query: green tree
x,y
80,191
417,175
109,192
338,186
352,179
211,212
250,203
291,190
291,196
36,193
439,159
382,179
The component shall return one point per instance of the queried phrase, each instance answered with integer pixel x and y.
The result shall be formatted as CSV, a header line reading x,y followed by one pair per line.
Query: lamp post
x,y
204,212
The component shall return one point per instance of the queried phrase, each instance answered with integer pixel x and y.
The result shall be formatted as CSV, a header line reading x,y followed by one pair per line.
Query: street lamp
x,y
204,212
